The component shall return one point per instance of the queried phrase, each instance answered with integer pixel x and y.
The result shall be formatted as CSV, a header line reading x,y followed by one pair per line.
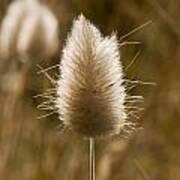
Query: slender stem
x,y
92,159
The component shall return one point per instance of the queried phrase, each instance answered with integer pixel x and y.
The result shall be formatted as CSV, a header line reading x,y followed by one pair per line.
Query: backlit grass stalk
x,y
90,93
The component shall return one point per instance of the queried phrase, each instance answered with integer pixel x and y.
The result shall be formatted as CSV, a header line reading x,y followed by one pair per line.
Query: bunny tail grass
x,y
90,90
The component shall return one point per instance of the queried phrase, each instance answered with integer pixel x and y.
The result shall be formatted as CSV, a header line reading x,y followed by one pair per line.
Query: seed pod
x,y
90,92
31,31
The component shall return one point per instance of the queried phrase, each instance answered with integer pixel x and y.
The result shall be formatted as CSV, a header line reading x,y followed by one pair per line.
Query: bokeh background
x,y
34,149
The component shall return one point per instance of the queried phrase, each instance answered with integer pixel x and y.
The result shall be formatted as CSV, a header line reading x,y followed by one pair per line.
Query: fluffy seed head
x,y
29,29
90,92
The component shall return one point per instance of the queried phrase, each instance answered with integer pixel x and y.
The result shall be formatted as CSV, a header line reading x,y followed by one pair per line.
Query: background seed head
x,y
90,92
28,30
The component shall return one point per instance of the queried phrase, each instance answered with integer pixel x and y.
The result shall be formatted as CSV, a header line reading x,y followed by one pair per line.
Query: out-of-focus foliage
x,y
33,149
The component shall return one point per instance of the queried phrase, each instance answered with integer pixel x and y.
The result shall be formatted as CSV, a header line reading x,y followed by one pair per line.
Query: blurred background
x,y
35,149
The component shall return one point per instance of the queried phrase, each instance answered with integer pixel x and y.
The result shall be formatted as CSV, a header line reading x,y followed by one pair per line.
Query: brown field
x,y
34,149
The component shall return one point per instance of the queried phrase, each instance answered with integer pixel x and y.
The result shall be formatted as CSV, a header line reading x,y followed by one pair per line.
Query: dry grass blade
x,y
133,60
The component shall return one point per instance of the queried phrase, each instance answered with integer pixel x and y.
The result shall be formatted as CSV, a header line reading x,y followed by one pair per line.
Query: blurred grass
x,y
32,149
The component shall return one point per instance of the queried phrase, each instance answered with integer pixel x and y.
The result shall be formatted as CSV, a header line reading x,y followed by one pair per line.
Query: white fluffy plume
x,y
90,93
29,29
